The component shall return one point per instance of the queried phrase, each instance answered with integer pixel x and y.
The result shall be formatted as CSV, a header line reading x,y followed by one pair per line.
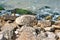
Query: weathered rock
x,y
58,34
49,39
26,20
51,29
50,35
28,33
1,36
57,24
8,26
41,36
45,23
38,29
59,39
57,31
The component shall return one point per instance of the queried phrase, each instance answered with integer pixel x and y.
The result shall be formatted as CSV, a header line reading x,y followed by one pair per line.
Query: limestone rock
x,y
41,36
28,33
57,24
51,29
57,31
58,34
51,35
26,20
45,23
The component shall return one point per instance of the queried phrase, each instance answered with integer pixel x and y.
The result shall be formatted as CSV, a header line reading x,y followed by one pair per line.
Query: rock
x,y
41,36
57,24
59,39
45,23
51,29
1,36
50,35
44,36
38,29
8,26
49,39
26,20
58,34
28,33
57,30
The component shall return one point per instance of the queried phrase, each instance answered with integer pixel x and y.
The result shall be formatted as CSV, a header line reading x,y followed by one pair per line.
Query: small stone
x,y
58,34
45,23
57,30
41,36
57,24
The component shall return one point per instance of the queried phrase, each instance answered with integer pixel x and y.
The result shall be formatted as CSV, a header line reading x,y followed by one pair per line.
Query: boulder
x,y
26,20
28,33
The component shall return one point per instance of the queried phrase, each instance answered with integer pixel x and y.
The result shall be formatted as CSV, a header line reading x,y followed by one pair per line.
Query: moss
x,y
1,8
22,11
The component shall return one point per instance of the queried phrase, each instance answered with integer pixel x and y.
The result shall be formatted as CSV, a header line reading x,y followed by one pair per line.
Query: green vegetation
x,y
22,11
1,8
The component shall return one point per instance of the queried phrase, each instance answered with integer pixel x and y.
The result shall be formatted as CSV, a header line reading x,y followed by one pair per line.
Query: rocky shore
x,y
27,27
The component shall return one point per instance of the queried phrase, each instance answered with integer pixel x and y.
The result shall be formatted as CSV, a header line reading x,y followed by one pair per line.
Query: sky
x,y
29,4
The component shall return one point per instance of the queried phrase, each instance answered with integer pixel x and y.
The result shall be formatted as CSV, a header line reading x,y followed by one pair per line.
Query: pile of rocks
x,y
29,28
32,29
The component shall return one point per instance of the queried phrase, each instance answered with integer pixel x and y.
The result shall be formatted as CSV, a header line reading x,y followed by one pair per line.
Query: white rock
x,y
1,36
16,32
